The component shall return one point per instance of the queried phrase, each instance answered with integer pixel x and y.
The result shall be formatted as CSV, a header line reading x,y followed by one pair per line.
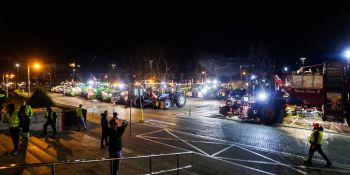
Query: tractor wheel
x,y
167,103
180,101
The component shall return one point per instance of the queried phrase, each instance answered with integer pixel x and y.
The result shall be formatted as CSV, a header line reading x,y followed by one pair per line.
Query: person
x,y
51,117
115,115
80,117
15,123
85,117
115,133
27,113
316,142
104,124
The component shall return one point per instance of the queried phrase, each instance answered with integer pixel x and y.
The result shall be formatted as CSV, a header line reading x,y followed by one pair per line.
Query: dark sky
x,y
59,32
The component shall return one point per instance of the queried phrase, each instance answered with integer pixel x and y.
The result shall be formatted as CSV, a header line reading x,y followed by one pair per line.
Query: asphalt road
x,y
224,146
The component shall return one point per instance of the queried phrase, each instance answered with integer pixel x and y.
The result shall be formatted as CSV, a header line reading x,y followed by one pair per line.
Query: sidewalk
x,y
306,123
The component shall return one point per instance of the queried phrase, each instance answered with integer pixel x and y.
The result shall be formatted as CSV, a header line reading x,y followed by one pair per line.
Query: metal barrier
x,y
54,164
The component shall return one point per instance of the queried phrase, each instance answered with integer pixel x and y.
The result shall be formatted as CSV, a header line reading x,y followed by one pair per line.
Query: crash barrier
x,y
38,120
151,157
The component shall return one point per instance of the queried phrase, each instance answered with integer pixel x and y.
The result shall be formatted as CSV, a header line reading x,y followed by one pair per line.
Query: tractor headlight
x,y
262,96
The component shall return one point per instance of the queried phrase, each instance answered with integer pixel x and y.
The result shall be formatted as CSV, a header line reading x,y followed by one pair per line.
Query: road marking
x,y
271,159
152,132
249,161
194,141
187,143
232,163
293,167
219,152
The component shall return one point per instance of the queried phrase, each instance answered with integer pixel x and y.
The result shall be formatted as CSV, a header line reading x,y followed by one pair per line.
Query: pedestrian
x,y
115,115
104,125
85,117
316,142
115,133
15,123
27,114
51,117
80,117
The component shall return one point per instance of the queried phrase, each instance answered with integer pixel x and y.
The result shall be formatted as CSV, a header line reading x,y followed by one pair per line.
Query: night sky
x,y
61,32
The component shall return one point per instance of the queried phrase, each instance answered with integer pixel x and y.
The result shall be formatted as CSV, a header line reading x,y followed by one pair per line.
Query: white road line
x,y
232,163
203,152
249,161
252,147
271,159
219,152
194,141
152,132
244,149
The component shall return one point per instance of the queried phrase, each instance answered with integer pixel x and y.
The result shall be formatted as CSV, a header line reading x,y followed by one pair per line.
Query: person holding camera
x,y
115,133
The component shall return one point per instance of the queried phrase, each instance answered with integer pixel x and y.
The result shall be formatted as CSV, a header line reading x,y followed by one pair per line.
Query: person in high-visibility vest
x,y
80,117
51,117
27,113
15,123
316,142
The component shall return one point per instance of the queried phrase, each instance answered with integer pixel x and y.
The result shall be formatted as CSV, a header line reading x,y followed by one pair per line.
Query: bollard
x,y
189,111
141,117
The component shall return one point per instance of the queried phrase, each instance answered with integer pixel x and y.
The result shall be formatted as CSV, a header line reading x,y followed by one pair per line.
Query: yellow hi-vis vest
x,y
320,135
28,111
79,112
47,114
13,120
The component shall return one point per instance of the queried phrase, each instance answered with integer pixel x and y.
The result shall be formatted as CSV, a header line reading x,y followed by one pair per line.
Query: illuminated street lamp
x,y
7,83
285,69
302,61
205,76
17,78
36,66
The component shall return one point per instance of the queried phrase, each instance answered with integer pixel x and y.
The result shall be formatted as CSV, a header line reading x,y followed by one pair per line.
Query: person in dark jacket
x,y
27,113
115,133
316,142
15,122
51,117
104,125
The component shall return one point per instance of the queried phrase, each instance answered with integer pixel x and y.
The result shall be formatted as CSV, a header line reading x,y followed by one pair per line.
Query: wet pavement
x,y
225,145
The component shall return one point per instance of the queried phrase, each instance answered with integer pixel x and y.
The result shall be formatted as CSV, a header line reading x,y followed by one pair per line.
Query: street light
x,y
205,76
17,78
302,61
35,66
285,69
7,84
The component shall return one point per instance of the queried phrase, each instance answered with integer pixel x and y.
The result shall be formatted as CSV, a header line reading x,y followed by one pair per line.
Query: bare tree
x,y
260,59
155,61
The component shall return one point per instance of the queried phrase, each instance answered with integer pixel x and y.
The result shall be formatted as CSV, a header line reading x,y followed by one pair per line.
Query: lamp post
x,y
205,76
35,66
302,61
17,78
7,87
7,84
50,80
